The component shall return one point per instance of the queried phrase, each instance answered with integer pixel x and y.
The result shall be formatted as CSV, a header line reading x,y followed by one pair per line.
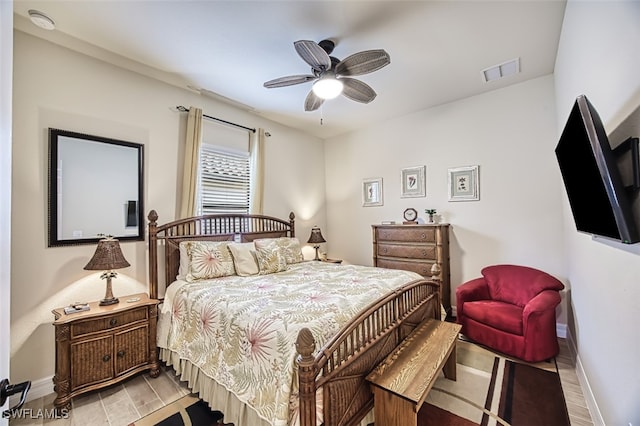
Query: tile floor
x,y
121,404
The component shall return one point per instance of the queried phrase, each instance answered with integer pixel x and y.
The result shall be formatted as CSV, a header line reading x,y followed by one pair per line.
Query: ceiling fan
x,y
332,76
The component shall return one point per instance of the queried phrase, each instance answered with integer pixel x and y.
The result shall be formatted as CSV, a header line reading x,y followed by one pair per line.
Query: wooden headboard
x,y
219,227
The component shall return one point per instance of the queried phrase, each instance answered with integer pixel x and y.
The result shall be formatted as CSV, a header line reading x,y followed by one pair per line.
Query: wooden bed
x,y
340,367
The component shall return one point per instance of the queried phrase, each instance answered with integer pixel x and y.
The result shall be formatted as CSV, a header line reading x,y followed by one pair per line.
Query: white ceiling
x,y
438,49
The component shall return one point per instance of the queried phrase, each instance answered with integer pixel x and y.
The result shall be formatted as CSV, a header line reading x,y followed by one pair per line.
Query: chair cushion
x,y
518,284
495,314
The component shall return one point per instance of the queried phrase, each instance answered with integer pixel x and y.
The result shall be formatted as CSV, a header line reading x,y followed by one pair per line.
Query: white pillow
x,y
184,261
244,258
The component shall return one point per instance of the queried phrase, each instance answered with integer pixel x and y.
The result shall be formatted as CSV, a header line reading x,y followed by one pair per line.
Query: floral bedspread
x,y
241,331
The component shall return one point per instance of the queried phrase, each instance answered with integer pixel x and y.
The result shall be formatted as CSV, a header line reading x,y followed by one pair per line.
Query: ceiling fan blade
x,y
288,81
363,62
357,90
312,102
313,54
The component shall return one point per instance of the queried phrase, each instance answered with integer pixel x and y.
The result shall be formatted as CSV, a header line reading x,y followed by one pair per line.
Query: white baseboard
x,y
590,400
39,388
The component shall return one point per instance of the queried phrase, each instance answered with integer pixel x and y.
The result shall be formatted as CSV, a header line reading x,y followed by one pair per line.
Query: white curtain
x,y
193,141
256,189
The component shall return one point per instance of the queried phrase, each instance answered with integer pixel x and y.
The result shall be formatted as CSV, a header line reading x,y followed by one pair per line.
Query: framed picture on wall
x,y
463,184
372,192
412,181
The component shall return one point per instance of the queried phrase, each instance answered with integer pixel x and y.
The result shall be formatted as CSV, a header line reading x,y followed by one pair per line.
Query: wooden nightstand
x,y
104,345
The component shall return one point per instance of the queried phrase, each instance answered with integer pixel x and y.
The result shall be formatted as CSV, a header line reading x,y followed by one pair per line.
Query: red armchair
x,y
511,309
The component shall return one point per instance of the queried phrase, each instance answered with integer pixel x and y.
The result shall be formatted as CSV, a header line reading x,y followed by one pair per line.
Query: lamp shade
x,y
108,256
316,236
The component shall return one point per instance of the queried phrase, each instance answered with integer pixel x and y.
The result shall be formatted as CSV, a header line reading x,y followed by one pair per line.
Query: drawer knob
x,y
384,250
423,236
106,358
424,253
113,322
120,353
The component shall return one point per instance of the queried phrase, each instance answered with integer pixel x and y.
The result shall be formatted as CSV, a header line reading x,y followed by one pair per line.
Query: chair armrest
x,y
476,289
540,305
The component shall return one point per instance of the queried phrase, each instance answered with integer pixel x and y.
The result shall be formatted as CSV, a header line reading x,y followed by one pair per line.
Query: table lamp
x,y
316,238
107,257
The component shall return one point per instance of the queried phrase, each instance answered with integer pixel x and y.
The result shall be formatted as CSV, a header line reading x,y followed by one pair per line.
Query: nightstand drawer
x,y
108,322
413,251
423,268
408,233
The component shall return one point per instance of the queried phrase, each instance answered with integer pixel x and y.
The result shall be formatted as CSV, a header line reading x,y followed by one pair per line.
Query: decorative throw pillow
x,y
270,258
244,258
209,259
289,247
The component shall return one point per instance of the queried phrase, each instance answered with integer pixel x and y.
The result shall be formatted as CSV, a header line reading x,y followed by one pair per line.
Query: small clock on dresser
x,y
410,216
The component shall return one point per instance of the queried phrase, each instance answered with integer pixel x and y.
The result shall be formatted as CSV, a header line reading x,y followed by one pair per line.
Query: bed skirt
x,y
218,397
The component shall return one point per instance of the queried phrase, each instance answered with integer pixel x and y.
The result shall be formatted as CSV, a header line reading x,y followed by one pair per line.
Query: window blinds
x,y
224,180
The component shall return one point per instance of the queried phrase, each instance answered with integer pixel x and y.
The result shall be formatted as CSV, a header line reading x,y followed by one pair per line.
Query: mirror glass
x,y
95,187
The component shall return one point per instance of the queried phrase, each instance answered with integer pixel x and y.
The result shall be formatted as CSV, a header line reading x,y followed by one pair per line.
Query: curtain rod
x,y
185,109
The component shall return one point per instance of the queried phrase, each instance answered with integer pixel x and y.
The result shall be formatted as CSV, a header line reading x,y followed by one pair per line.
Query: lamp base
x,y
317,257
112,301
108,297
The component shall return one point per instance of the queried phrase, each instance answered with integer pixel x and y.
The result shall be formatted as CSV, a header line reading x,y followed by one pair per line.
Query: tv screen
x,y
598,200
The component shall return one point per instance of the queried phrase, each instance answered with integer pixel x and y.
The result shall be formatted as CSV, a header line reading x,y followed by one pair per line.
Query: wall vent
x,y
504,69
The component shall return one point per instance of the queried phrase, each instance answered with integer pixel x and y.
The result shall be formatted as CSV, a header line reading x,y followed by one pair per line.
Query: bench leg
x,y
449,368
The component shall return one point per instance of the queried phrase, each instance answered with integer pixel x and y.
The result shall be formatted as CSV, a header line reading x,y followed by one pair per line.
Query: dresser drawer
x,y
414,251
108,322
423,268
407,233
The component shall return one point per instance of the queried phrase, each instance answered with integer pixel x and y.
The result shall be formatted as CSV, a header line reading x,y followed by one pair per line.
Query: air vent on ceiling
x,y
501,70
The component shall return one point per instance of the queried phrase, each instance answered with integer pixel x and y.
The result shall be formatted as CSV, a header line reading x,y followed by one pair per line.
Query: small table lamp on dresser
x,y
108,256
316,238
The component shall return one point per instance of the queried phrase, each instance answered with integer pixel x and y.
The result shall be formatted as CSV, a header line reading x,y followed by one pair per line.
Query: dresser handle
x,y
113,322
120,353
384,250
423,236
106,358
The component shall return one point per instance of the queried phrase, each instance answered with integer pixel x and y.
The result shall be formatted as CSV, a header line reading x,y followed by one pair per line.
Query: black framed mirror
x,y
95,187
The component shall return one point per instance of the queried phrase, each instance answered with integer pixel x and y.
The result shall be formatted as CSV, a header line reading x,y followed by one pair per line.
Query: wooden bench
x,y
402,381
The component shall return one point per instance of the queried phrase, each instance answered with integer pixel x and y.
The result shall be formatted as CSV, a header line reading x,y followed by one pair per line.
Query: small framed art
x,y
463,184
372,192
412,180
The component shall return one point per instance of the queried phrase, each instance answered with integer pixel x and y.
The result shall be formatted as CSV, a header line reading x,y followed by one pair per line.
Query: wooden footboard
x,y
341,366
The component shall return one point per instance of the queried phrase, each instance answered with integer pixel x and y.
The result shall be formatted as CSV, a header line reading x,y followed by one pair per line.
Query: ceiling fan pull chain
x,y
321,115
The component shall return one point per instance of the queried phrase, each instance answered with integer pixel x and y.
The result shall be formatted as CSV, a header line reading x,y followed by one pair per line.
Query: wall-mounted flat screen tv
x,y
599,202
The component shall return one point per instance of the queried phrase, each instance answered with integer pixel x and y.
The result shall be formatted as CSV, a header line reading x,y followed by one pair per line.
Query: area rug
x,y
493,390
490,390
186,411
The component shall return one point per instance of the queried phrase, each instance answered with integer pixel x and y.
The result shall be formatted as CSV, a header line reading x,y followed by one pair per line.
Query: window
x,y
224,179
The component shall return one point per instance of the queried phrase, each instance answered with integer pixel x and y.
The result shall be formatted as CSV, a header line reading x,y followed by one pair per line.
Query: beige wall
x,y
599,56
510,133
6,71
56,87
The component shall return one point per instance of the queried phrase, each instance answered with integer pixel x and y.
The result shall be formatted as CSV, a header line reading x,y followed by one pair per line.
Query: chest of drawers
x,y
415,248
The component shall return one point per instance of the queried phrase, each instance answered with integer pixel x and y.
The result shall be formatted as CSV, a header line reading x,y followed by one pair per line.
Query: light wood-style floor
x,y
125,403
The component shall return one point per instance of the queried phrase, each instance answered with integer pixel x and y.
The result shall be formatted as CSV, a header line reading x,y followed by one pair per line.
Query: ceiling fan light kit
x,y
327,87
333,75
